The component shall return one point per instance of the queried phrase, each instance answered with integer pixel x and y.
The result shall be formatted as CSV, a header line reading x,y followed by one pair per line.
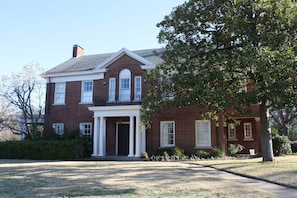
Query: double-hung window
x,y
85,129
203,137
87,92
167,133
231,131
137,88
60,89
58,128
112,90
247,130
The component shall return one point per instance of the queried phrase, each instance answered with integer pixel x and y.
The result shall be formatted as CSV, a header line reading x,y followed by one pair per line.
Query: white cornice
x,y
75,76
116,111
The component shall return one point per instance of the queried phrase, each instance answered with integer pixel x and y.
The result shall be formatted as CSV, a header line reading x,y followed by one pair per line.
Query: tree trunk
x,y
266,140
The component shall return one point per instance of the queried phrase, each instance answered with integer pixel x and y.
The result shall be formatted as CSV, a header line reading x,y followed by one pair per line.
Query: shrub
x,y
294,147
46,149
174,153
144,155
202,154
281,145
234,149
216,153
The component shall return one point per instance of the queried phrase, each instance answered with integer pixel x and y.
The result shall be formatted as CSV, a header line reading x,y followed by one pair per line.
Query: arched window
x,y
125,85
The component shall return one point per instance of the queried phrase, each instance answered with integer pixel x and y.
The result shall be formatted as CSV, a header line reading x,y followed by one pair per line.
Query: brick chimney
x,y
77,51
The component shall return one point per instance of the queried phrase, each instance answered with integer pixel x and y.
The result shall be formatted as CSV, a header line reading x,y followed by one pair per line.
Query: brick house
x,y
101,95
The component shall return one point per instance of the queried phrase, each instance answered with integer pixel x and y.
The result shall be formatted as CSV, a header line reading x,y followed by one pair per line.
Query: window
x,y
167,95
167,132
231,131
58,128
87,92
247,129
60,89
243,86
137,88
125,90
85,129
203,138
112,89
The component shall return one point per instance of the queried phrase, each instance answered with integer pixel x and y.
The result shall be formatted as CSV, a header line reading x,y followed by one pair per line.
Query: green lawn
x,y
283,171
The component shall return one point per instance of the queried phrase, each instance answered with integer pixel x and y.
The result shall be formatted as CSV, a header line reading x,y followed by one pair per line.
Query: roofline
x,y
64,74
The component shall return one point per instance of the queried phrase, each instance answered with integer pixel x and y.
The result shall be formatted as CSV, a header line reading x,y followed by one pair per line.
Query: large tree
x,y
22,102
214,48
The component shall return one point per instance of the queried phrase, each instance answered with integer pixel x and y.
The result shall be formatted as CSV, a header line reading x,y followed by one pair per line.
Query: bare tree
x,y
23,93
284,118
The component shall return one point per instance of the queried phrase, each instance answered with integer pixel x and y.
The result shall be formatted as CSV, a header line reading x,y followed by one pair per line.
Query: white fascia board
x,y
75,76
119,54
148,67
116,111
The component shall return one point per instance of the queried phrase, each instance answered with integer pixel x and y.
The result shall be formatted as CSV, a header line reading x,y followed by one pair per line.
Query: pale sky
x,y
36,31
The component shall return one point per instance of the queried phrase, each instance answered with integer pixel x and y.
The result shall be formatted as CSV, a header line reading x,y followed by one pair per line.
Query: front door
x,y
123,139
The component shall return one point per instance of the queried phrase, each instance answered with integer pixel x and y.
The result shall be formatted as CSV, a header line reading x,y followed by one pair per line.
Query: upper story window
x,y
125,85
166,93
87,92
137,88
112,90
60,90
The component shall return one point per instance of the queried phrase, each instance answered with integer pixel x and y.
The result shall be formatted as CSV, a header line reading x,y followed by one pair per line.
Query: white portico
x,y
137,135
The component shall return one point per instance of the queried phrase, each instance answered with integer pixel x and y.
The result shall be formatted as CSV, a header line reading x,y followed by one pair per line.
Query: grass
x,y
25,178
283,171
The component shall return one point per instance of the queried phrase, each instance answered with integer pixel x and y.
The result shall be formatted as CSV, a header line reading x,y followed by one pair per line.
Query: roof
x,y
89,62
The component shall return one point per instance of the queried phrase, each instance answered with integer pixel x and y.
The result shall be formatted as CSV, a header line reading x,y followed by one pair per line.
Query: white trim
x,y
115,111
78,77
162,123
119,54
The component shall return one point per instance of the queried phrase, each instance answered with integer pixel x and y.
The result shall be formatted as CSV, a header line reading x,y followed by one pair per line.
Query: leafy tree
x,y
23,97
216,48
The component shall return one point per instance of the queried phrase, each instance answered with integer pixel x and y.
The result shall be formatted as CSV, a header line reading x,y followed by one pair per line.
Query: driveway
x,y
23,178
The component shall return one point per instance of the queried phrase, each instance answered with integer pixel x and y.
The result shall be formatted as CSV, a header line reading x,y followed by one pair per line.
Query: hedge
x,y
46,149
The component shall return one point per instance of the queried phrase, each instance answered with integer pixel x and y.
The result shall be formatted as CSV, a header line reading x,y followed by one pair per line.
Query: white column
x,y
131,137
143,139
104,137
95,137
101,136
137,137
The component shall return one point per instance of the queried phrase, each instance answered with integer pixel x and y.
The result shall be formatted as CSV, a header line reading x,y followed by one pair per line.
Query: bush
x,y
281,145
46,149
294,147
234,149
174,153
202,154
216,153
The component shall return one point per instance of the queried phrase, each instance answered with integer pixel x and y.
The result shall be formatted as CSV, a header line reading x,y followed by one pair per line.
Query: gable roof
x,y
99,61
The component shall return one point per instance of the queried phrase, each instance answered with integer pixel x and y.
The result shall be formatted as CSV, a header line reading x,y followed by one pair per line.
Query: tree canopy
x,y
214,49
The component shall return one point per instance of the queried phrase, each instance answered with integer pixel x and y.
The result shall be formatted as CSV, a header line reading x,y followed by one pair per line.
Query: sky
x,y
44,32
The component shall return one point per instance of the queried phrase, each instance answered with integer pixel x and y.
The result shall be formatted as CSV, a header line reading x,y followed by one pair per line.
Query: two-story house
x,y
101,95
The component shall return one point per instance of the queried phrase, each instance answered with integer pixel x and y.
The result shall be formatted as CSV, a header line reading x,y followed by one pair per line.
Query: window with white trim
x,y
167,133
85,129
166,94
58,128
111,89
203,136
60,90
137,88
125,88
247,130
87,92
231,131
